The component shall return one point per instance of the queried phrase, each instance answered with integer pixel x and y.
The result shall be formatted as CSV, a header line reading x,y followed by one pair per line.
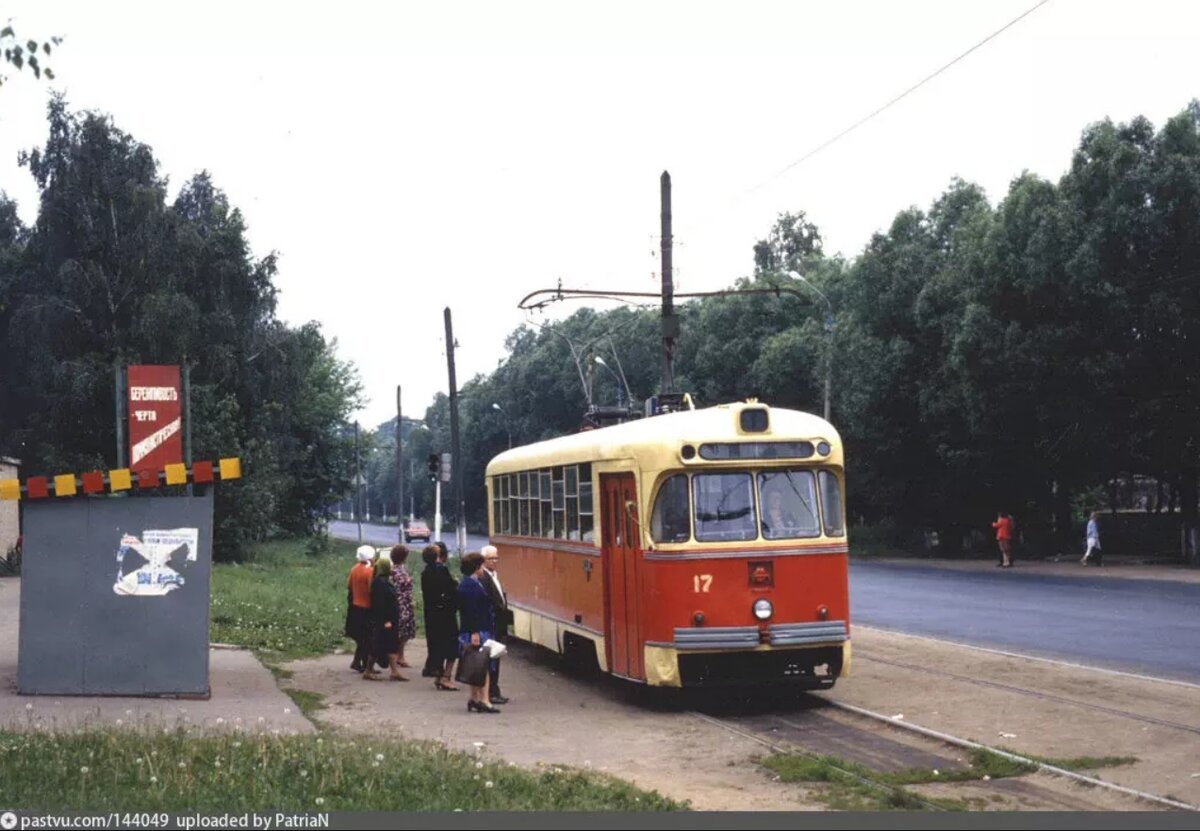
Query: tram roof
x,y
710,424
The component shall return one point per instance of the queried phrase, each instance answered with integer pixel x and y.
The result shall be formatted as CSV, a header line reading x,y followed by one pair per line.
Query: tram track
x,y
762,729
1031,693
775,747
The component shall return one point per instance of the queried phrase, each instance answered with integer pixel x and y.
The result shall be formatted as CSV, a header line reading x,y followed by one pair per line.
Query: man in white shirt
x,y
491,581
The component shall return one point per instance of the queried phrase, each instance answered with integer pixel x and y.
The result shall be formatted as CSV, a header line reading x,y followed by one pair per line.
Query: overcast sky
x,y
402,157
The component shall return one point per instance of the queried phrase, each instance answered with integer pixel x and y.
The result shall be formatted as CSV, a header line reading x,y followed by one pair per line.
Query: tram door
x,y
622,597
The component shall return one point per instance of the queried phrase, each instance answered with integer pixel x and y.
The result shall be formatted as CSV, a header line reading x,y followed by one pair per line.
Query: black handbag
x,y
472,667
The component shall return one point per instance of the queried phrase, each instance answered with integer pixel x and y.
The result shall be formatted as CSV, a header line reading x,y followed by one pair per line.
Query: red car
x,y
416,529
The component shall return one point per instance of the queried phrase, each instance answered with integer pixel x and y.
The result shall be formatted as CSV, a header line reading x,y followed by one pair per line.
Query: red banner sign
x,y
155,417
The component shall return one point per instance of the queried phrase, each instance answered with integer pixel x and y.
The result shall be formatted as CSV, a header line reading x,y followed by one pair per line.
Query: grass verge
x,y
288,603
150,771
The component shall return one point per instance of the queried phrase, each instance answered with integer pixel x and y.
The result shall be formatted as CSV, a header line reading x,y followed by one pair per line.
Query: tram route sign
x,y
155,410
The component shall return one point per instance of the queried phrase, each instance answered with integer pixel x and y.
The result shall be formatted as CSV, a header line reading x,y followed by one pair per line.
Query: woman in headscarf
x,y
383,621
439,594
402,583
358,608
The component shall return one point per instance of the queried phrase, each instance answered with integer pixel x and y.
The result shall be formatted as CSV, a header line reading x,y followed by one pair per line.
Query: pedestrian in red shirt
x,y
1003,526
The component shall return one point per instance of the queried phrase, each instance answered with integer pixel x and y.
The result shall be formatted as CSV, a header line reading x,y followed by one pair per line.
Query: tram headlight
x,y
763,609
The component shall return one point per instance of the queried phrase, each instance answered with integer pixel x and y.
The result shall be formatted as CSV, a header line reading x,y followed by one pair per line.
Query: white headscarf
x,y
365,553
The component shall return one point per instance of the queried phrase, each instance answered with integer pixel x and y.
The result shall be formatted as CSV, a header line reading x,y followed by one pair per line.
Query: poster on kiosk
x,y
155,417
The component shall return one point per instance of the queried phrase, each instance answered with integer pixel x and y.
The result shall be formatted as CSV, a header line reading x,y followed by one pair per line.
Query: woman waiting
x,y
383,621
477,622
402,583
439,594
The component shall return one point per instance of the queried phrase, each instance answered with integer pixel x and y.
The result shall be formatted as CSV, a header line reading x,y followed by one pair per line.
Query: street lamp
x,y
507,429
620,381
795,275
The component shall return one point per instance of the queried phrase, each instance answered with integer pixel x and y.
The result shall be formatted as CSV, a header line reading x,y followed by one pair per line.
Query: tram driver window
x,y
670,520
788,503
724,507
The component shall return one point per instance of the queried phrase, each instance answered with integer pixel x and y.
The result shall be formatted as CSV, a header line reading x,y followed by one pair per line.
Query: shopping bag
x,y
494,649
472,667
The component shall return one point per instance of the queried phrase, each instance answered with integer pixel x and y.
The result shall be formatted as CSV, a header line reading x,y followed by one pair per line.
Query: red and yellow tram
x,y
739,574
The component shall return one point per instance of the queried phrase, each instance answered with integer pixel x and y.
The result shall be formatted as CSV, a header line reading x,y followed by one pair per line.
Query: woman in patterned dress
x,y
402,582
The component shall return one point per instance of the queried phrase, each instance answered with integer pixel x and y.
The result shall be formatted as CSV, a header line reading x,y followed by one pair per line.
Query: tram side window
x,y
547,514
788,504
670,520
724,507
831,504
560,504
586,519
513,503
496,503
572,502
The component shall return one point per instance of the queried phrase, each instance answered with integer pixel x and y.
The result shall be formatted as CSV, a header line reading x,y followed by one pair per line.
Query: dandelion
x,y
287,711
129,712
374,764
182,765
479,744
320,740
379,757
489,784
28,706
153,780
479,765
237,744
119,722
476,777
303,774
320,800
138,760
220,720
83,769
261,719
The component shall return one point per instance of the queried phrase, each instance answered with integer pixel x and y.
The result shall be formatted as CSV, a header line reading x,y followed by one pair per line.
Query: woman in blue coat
x,y
477,621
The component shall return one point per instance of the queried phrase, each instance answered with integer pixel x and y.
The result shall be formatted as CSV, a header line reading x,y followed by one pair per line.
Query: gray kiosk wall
x,y
115,596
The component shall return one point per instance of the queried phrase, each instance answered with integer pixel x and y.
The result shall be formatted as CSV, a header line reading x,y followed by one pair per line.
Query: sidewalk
x,y
1123,567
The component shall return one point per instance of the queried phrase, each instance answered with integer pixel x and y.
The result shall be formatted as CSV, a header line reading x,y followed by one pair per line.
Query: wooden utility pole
x,y
670,323
357,484
399,469
455,449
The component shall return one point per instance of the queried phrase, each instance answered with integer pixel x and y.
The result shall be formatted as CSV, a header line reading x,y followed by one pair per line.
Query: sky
x,y
403,157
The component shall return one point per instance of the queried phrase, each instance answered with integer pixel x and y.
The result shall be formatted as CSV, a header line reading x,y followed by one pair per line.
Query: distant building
x,y
10,513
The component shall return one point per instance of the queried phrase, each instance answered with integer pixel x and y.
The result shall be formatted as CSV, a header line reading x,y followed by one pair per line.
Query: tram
x,y
700,548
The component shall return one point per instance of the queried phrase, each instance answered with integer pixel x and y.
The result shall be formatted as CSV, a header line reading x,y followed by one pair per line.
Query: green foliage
x,y
111,274
149,771
21,54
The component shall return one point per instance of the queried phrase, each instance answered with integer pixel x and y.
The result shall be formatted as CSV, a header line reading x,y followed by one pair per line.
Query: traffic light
x,y
434,465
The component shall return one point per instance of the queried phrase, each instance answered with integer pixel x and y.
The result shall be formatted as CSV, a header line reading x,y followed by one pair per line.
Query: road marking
x,y
1054,661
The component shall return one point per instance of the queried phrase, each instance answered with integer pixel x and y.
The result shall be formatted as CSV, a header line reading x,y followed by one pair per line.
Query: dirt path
x,y
557,720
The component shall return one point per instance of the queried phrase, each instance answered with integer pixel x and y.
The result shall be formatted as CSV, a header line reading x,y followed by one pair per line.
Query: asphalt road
x,y
1144,626
389,535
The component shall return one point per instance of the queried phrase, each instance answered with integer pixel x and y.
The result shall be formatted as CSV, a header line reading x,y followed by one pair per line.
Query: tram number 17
x,y
702,582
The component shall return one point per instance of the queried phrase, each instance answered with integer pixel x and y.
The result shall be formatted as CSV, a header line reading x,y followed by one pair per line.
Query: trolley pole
x,y
670,323
455,447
